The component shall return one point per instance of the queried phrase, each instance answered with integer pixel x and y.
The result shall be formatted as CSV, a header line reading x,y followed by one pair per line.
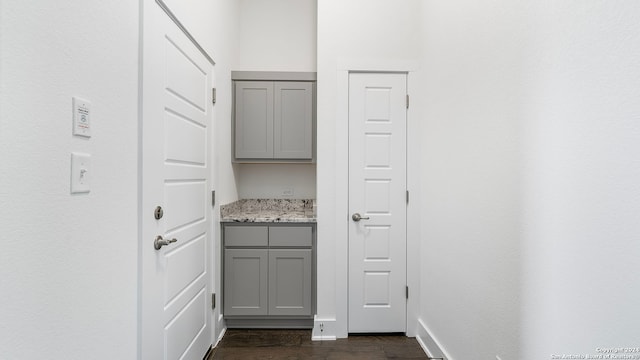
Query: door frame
x,y
338,327
213,256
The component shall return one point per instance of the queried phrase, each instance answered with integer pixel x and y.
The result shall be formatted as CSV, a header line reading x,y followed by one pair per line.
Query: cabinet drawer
x,y
290,236
246,236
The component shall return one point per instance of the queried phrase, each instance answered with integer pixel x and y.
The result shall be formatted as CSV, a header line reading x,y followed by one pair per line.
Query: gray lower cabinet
x,y
245,281
268,271
290,282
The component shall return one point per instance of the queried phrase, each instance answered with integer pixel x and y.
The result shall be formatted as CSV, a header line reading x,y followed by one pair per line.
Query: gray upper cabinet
x,y
254,119
292,131
274,120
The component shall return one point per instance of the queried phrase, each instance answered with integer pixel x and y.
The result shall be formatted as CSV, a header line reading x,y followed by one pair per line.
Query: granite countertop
x,y
269,210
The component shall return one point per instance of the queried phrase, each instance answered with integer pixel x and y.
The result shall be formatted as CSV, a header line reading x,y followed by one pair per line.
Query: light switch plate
x,y
81,117
80,173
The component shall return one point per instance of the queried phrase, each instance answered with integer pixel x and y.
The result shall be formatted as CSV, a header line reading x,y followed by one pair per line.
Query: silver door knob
x,y
160,242
358,217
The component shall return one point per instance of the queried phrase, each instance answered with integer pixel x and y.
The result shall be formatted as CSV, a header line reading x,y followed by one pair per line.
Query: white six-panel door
x,y
377,193
176,142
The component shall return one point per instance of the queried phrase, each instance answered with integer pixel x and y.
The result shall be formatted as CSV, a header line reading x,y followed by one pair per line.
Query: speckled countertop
x,y
269,210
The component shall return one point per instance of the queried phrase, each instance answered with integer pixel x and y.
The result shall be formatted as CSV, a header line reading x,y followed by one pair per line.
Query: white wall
x,y
268,181
354,34
530,177
68,264
581,287
277,35
471,190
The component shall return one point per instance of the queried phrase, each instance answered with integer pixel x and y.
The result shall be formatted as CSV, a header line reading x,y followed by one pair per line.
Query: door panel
x,y
376,288
377,150
182,270
377,186
179,331
176,120
185,203
185,78
377,196
378,245
184,140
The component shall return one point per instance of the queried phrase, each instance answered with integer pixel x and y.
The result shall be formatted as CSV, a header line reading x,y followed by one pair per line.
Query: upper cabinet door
x,y
254,119
293,120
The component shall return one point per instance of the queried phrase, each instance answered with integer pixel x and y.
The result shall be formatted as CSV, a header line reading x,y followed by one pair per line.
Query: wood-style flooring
x,y
244,344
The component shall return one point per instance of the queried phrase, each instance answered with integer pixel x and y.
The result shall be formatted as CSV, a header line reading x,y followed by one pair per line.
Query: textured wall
x,y
269,180
472,70
531,170
277,35
68,264
581,287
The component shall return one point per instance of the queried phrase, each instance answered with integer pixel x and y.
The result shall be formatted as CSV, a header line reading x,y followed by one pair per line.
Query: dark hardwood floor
x,y
296,344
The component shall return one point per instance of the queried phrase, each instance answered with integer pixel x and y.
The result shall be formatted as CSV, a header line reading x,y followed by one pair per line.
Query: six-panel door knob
x,y
358,217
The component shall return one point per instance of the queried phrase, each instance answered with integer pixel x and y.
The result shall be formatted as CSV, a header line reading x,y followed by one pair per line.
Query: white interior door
x,y
176,141
377,194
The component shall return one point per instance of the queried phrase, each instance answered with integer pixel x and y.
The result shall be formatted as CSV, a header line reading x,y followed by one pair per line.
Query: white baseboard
x,y
220,336
220,324
323,329
429,343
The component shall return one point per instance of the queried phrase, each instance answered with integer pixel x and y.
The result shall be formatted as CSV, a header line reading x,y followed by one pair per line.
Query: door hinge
x,y
213,96
407,196
407,291
213,301
407,101
213,198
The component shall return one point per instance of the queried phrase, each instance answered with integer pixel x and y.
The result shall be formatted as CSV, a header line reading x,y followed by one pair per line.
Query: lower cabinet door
x,y
245,281
290,282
